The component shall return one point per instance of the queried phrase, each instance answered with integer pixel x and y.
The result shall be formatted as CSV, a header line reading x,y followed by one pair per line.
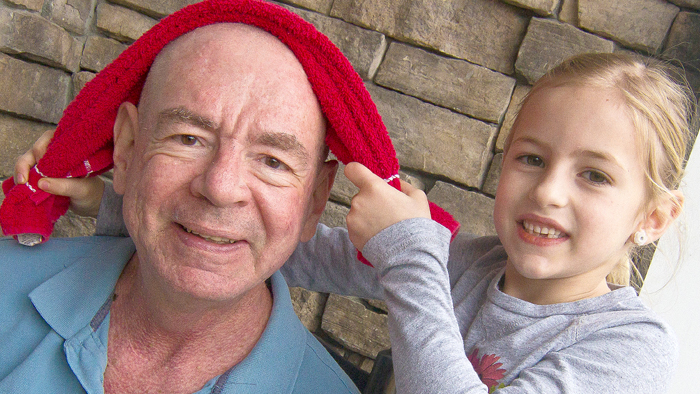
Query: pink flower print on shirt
x,y
488,368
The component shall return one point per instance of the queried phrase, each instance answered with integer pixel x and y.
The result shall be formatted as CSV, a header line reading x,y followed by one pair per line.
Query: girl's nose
x,y
551,189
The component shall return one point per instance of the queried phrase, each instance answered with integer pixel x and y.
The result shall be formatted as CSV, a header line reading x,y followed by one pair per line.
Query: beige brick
x,y
72,225
549,42
455,84
473,210
71,14
16,137
122,23
79,80
322,6
491,183
33,5
569,12
308,306
687,3
30,35
343,190
518,96
100,51
542,7
639,24
155,8
485,32
354,326
435,140
33,90
363,48
684,40
334,215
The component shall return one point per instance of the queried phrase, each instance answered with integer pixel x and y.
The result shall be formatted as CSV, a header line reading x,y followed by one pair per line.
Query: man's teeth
x,y
211,238
541,231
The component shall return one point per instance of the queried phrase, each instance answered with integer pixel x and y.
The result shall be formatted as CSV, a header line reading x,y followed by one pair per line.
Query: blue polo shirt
x,y
54,321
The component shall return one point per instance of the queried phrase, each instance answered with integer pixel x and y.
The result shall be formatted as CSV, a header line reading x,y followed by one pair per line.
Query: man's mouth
x,y
211,238
541,231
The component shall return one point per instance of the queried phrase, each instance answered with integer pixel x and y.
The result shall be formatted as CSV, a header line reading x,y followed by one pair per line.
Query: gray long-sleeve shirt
x,y
445,308
444,312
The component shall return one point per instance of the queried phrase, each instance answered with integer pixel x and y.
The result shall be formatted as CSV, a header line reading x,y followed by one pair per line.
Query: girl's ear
x,y
662,215
125,128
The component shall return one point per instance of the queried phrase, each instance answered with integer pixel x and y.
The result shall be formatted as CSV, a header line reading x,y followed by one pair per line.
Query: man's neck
x,y
178,347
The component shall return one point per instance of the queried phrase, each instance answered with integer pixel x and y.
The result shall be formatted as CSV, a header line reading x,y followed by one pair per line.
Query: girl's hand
x,y
378,205
85,193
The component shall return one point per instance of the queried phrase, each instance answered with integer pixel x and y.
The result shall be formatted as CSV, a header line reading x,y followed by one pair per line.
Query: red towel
x,y
82,143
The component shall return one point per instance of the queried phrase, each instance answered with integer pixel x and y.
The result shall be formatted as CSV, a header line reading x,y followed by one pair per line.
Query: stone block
x,y
638,24
541,7
687,3
34,5
16,137
71,14
155,8
379,304
451,83
354,326
343,190
322,6
363,48
485,32
122,23
548,42
684,39
100,51
80,79
491,183
334,215
31,36
33,90
435,140
72,225
513,108
308,306
569,12
473,210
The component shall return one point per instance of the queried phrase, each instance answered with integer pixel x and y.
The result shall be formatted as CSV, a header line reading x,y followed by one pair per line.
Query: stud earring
x,y
640,237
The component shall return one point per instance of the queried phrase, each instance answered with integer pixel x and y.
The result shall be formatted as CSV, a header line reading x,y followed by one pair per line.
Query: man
x,y
222,170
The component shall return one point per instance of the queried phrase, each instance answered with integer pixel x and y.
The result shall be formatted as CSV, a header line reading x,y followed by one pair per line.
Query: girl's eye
x,y
532,160
188,140
596,177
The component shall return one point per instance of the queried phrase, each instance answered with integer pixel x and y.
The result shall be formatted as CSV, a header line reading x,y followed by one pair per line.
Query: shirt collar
x,y
273,364
70,299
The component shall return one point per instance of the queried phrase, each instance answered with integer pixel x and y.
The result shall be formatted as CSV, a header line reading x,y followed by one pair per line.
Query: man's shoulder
x,y
319,373
39,262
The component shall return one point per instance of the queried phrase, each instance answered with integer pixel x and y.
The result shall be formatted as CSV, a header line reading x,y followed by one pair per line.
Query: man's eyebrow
x,y
184,115
283,141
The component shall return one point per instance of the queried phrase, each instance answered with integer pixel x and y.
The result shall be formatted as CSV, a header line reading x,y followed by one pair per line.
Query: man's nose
x,y
551,188
223,181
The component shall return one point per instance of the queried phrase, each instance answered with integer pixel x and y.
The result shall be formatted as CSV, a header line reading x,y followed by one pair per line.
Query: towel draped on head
x,y
82,144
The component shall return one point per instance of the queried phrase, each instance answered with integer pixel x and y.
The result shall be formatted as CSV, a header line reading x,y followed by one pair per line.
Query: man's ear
x,y
319,198
662,215
125,130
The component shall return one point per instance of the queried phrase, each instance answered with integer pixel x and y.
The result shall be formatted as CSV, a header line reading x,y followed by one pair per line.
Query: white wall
x,y
676,297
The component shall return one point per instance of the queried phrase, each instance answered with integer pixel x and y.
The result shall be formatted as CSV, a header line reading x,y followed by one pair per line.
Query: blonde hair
x,y
660,107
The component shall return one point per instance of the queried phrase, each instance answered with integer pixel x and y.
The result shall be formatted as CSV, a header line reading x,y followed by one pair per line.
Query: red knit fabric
x,y
82,143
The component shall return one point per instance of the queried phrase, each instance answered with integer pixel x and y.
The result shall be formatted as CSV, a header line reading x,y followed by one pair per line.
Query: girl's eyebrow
x,y
597,155
184,115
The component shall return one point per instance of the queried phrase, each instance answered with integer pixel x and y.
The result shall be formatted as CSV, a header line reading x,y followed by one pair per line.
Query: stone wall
x,y
445,75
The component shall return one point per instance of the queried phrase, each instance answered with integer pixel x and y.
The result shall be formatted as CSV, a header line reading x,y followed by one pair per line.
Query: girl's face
x,y
570,195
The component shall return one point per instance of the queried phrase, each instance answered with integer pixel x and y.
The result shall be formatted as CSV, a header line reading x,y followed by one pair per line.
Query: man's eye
x,y
273,163
188,140
596,177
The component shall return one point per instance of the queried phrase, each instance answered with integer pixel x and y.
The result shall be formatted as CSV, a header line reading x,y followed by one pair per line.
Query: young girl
x,y
590,172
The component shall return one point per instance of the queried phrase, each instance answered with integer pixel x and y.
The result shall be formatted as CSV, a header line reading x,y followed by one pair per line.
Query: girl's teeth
x,y
541,231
